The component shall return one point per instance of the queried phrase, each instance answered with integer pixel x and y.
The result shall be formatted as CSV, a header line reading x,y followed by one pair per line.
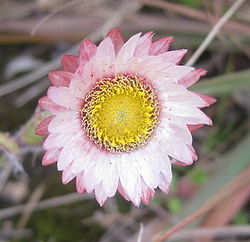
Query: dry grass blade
x,y
15,234
5,173
31,93
45,19
214,31
241,180
195,14
223,213
140,233
228,231
127,7
27,211
49,203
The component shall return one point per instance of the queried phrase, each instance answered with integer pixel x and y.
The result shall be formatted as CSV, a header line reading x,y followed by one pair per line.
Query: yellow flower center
x,y
120,113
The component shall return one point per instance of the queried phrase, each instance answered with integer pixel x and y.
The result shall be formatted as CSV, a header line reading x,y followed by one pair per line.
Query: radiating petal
x,y
67,175
42,128
63,97
126,53
87,50
192,77
144,45
160,46
174,56
116,38
60,78
70,63
50,156
47,104
80,183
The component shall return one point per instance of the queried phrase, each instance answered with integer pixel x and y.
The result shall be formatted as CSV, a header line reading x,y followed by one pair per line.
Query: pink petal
x,y
192,77
79,183
50,156
192,128
179,163
70,63
67,175
47,104
60,78
160,46
116,38
87,50
174,56
193,152
42,128
144,45
146,193
122,192
208,99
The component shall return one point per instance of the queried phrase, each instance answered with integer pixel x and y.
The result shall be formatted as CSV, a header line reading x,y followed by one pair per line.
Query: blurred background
x,y
209,201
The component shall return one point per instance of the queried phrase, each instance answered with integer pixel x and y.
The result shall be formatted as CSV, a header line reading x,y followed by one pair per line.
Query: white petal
x,y
178,72
128,174
126,53
189,113
65,122
100,194
63,97
104,49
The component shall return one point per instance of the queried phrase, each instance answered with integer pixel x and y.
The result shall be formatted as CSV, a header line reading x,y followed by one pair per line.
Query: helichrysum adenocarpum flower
x,y
120,115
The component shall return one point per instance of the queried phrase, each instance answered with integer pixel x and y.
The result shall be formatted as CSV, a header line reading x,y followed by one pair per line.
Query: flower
x,y
120,115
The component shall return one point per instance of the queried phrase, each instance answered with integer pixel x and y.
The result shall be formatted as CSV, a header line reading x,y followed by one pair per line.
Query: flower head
x,y
120,115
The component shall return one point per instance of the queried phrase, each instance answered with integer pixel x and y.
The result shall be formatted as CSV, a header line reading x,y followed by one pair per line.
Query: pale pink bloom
x,y
120,115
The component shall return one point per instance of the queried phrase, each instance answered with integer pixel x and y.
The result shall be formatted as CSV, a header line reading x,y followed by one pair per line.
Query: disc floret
x,y
120,113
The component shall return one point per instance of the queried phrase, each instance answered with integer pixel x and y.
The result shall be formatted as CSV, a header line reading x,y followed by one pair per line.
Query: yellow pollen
x,y
120,114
